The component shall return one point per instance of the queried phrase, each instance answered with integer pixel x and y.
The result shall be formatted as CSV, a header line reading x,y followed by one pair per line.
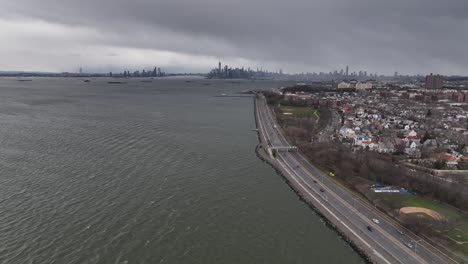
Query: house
x,y
385,147
360,111
444,156
413,144
363,85
365,142
413,152
345,85
411,134
347,132
369,145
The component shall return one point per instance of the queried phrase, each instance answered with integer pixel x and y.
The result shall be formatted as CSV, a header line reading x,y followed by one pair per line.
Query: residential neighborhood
x,y
427,127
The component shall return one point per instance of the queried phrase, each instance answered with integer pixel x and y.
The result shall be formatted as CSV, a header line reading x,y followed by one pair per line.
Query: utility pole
x,y
416,244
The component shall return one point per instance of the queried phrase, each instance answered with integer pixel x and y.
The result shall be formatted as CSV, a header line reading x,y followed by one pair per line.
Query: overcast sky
x,y
408,36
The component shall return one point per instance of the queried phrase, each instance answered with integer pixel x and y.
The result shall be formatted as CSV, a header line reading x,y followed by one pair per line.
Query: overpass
x,y
273,150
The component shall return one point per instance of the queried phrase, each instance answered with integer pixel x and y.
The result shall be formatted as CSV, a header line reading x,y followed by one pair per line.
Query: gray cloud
x,y
415,36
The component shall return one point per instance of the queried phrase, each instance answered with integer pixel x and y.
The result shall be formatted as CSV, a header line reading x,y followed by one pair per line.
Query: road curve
x,y
351,215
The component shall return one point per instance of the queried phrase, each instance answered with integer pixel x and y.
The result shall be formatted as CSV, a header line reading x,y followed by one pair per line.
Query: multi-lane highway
x,y
381,238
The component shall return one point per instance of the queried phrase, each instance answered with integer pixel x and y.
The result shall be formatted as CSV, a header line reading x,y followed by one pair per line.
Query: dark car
x,y
315,181
370,228
322,190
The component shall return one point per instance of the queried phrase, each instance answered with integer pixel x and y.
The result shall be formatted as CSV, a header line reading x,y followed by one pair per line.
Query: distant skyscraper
x,y
396,74
347,70
219,67
434,81
81,70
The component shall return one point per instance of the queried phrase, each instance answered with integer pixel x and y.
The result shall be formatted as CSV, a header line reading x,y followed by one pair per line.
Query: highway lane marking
x,y
335,216
337,209
339,220
384,217
366,219
260,122
384,232
344,205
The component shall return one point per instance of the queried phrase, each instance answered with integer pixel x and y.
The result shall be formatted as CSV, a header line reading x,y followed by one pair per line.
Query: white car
x,y
376,221
409,245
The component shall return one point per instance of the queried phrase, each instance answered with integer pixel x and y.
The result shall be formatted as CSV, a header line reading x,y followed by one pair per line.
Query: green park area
x,y
299,111
458,221
449,223
459,233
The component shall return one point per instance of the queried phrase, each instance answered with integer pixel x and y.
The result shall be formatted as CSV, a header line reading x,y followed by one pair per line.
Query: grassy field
x,y
299,111
451,213
418,201
459,234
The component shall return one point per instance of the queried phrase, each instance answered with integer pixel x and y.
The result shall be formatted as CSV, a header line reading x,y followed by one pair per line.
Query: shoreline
x,y
346,238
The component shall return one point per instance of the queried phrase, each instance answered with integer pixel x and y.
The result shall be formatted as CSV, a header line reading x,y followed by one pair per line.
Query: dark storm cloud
x,y
405,35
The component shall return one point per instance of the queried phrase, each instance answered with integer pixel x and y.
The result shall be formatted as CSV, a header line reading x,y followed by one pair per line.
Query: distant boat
x,y
222,95
86,81
24,80
116,82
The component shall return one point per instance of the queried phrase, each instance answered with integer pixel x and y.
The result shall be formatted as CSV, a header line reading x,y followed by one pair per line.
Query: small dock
x,y
234,95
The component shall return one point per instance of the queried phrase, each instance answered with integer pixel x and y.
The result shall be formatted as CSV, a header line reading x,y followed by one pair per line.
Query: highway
x,y
386,243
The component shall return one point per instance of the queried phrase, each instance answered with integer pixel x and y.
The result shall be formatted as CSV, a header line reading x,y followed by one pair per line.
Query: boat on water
x,y
117,82
86,81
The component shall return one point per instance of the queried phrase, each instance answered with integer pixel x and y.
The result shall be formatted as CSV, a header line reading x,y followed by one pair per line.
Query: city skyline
x,y
184,36
230,72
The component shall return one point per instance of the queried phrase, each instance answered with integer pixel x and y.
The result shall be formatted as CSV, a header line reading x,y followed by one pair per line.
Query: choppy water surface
x,y
159,172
